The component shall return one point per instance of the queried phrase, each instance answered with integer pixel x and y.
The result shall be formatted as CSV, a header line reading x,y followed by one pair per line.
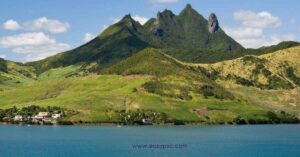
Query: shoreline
x,y
118,124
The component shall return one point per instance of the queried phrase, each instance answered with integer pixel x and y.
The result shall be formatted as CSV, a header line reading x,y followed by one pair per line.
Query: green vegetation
x,y
153,82
96,98
291,75
142,117
3,66
278,70
171,79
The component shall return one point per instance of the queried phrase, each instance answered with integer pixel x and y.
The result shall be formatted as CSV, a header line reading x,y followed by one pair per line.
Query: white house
x,y
56,116
18,118
43,114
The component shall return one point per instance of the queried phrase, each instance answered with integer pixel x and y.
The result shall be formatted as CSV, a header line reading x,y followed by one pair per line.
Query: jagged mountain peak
x,y
165,13
188,30
189,11
126,23
128,20
213,23
188,7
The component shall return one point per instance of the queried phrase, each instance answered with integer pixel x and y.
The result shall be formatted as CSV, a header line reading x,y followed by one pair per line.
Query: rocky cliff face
x,y
213,24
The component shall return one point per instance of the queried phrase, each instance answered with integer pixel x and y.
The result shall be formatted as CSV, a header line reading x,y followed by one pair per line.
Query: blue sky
x,y
34,29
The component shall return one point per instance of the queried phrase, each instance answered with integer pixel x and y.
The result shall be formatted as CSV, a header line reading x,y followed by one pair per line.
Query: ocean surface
x,y
150,141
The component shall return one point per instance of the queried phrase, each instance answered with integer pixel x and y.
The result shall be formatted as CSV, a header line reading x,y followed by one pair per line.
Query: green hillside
x,y
14,74
99,98
272,80
148,81
170,77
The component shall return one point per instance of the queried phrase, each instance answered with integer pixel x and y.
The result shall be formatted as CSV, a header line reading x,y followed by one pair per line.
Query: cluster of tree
x,y
160,88
7,115
3,66
271,118
142,117
290,74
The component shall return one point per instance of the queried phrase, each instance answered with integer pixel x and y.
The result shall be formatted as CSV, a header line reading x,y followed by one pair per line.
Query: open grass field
x,y
95,98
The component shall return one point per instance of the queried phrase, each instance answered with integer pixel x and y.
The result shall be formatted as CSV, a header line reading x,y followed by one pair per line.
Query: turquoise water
x,y
146,141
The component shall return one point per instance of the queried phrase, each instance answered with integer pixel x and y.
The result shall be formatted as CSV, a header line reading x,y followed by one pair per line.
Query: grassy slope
x,y
15,75
212,56
276,63
171,77
96,97
173,87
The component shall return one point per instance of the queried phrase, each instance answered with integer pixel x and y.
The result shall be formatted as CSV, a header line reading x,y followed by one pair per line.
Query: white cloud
x,y
251,32
34,46
11,25
244,32
43,23
88,37
104,27
33,53
164,1
140,19
51,25
265,40
3,56
26,39
258,20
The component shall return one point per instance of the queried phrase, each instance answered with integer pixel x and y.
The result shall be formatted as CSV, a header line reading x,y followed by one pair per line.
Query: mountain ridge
x,y
166,31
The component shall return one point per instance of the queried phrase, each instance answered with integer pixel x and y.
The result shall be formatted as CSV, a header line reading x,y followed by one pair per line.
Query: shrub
x,y
290,74
275,82
239,120
3,65
207,90
273,117
243,81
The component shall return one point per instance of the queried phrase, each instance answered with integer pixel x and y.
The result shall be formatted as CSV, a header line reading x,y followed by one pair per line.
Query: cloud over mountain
x,y
251,33
43,23
88,36
35,46
256,20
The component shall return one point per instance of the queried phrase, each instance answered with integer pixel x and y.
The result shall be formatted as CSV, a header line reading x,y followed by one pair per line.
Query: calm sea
x,y
150,141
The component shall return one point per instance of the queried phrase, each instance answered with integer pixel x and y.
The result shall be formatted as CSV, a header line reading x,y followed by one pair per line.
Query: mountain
x,y
102,49
189,30
183,67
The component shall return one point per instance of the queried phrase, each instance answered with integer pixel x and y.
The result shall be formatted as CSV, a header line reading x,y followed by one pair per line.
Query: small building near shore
x,y
56,116
18,118
43,114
